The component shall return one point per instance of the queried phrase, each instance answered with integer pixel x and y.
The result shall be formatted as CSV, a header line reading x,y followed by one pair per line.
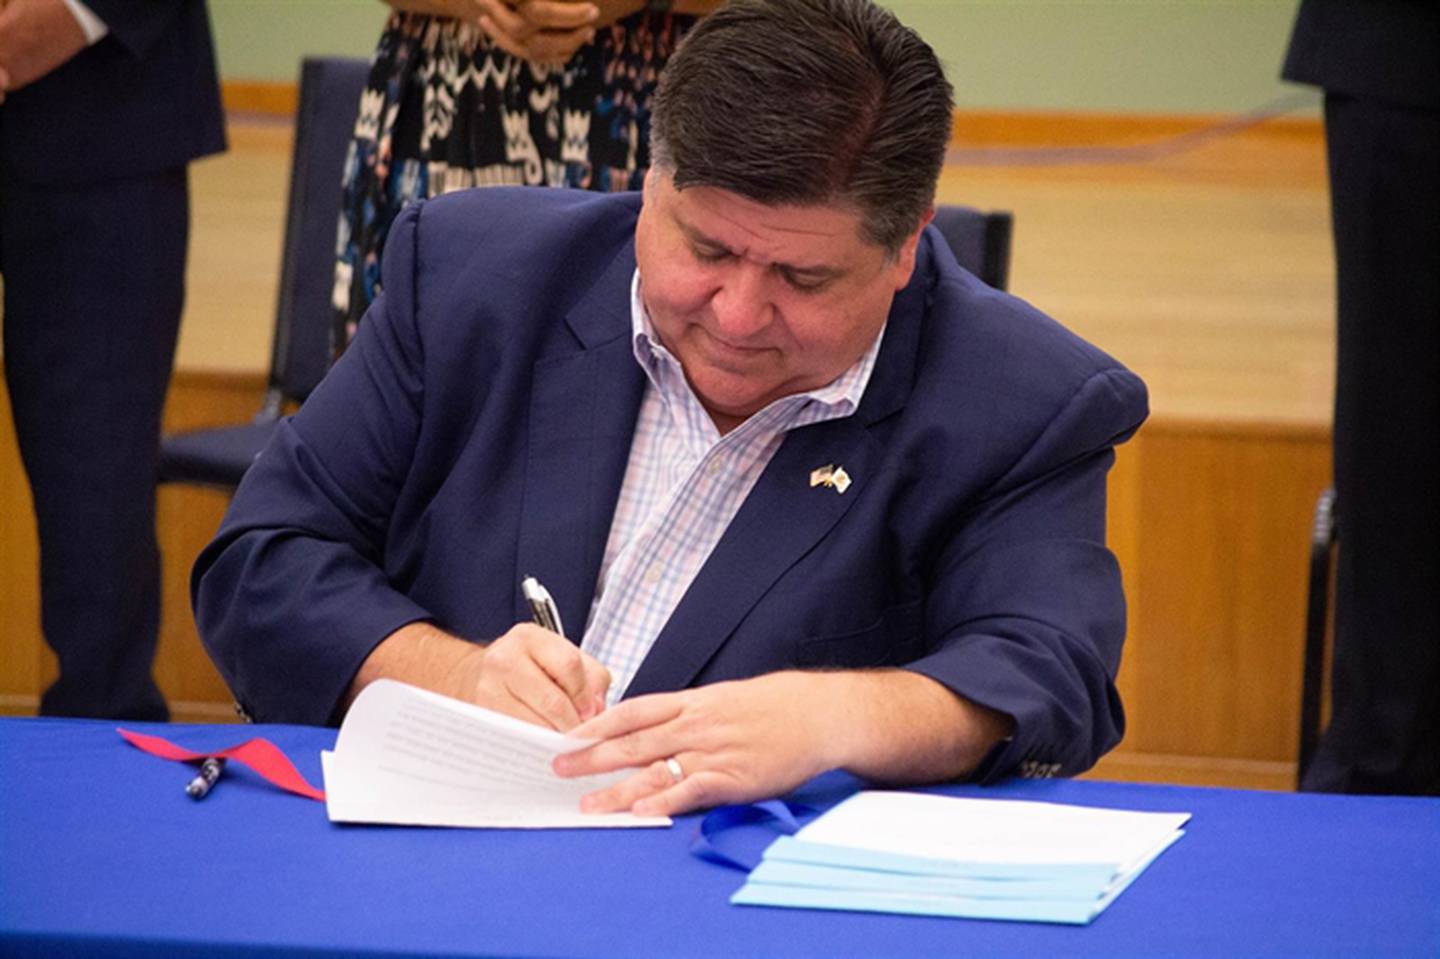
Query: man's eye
x,y
705,255
802,283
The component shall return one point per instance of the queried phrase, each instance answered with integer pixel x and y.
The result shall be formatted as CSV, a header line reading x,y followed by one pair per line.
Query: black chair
x,y
980,241
1323,545
300,354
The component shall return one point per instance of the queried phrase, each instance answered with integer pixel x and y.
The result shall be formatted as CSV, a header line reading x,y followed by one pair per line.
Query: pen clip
x,y
542,605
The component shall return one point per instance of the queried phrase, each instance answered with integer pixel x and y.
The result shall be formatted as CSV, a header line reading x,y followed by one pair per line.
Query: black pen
x,y
210,770
542,606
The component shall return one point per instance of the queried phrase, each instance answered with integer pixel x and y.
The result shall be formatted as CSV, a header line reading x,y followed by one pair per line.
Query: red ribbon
x,y
261,755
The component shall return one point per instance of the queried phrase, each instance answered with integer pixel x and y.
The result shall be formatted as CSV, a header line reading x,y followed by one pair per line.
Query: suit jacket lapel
x,y
582,415
780,520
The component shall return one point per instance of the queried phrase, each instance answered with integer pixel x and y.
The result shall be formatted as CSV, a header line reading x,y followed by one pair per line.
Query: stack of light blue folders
x,y
947,856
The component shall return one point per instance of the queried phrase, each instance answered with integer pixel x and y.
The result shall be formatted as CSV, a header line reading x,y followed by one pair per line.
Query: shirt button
x,y
713,467
652,575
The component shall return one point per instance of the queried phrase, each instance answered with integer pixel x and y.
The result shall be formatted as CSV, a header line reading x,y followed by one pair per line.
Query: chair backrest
x,y
330,89
980,241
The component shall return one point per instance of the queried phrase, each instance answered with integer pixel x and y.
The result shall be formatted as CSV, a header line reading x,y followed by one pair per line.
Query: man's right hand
x,y
529,673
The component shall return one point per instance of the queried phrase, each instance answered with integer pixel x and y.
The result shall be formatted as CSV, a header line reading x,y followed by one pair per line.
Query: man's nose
x,y
742,303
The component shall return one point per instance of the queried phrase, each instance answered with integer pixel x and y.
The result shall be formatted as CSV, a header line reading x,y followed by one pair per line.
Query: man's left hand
x,y
36,36
758,738
733,742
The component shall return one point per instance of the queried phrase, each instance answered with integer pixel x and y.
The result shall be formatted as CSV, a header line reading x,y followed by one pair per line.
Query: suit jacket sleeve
x,y
142,100
1025,612
292,596
1386,50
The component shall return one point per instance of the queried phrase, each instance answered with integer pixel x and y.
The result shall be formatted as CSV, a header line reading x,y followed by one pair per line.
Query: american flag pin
x,y
832,476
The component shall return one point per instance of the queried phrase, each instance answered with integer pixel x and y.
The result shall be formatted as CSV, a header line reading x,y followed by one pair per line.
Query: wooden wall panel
x,y
1215,560
23,668
187,518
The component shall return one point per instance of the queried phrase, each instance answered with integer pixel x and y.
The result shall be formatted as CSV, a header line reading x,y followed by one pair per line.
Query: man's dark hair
x,y
804,102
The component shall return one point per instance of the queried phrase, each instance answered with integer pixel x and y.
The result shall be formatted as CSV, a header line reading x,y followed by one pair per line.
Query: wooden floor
x,y
1208,272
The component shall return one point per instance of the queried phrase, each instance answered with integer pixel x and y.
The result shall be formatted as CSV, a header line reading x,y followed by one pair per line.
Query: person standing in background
x,y
467,93
106,102
1379,65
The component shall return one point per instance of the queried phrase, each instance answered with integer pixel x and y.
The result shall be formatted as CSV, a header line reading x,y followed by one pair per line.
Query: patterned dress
x,y
444,110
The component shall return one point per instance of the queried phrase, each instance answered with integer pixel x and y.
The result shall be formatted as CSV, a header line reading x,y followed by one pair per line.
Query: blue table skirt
x,y
103,854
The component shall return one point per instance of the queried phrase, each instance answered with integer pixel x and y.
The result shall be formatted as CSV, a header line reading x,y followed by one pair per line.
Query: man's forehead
x,y
745,225
716,207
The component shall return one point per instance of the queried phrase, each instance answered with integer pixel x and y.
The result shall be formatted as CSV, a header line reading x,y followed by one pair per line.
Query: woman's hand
x,y
539,31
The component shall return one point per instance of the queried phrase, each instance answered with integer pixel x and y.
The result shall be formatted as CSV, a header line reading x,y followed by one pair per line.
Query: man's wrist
x,y
422,654
894,725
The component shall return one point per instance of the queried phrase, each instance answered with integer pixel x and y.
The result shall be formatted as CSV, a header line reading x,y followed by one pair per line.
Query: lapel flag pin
x,y
832,476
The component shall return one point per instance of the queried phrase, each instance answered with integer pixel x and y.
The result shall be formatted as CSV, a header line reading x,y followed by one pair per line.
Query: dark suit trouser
x,y
1385,185
94,284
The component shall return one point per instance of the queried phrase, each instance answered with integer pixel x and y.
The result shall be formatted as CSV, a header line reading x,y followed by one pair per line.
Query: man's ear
x,y
905,256
652,197
651,185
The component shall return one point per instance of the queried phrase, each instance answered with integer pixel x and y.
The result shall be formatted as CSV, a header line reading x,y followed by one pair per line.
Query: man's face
x,y
759,302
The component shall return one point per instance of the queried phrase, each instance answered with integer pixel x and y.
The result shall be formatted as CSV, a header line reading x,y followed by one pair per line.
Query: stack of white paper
x,y
412,757
945,856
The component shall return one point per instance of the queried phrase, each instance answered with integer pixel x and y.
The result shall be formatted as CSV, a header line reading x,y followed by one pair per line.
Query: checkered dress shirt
x,y
683,485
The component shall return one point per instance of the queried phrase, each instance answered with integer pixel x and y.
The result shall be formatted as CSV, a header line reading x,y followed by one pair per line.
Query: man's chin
x,y
733,406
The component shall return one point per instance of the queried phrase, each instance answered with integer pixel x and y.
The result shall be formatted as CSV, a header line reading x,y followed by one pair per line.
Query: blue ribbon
x,y
721,824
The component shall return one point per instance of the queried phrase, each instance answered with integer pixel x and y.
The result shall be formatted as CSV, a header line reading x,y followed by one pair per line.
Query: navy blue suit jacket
x,y
1381,49
143,99
479,427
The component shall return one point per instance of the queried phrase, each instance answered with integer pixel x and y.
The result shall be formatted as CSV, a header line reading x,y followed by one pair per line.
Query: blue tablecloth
x,y
103,854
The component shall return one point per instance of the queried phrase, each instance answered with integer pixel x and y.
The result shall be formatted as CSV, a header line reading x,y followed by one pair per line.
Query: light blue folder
x,y
851,880
790,849
779,872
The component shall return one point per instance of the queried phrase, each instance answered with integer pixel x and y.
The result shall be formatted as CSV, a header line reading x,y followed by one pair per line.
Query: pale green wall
x,y
265,39
1161,56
